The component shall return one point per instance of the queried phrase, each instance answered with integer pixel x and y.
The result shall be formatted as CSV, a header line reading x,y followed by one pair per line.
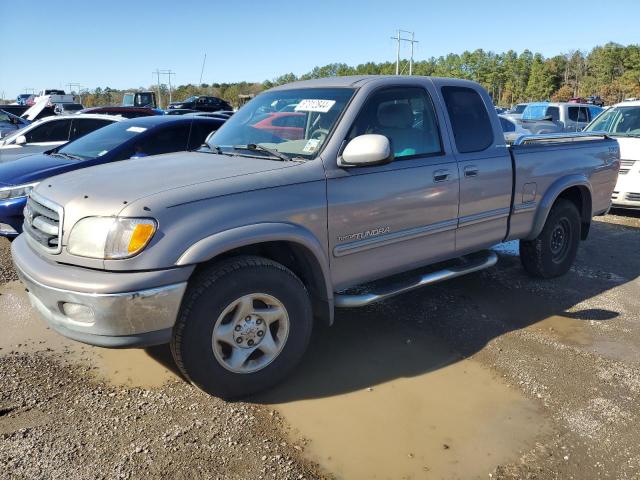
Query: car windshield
x,y
190,99
127,100
520,108
618,121
298,133
101,141
534,112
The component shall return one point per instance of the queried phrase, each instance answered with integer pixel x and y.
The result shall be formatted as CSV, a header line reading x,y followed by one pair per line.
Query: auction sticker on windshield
x,y
314,105
311,145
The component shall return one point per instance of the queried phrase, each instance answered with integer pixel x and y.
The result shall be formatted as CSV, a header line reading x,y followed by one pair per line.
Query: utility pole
x,y
159,72
399,38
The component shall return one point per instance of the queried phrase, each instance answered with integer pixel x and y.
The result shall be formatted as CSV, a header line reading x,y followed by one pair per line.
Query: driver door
x,y
389,218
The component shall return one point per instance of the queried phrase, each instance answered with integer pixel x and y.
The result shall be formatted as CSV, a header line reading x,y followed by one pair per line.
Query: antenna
x,y
202,71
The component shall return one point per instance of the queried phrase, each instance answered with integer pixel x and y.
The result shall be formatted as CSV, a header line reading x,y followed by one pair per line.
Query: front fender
x,y
221,242
551,195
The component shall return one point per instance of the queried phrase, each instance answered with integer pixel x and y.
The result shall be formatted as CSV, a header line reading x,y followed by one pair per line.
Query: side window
x,y
554,113
172,139
470,121
53,131
82,126
406,117
507,126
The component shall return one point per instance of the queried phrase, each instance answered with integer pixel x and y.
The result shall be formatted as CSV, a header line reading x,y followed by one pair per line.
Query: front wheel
x,y
552,253
244,325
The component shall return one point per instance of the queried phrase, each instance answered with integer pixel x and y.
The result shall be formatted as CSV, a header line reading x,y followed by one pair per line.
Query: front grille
x,y
614,195
43,223
625,166
634,197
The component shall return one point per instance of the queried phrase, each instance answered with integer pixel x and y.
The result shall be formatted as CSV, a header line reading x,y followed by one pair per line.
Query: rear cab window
x,y
470,121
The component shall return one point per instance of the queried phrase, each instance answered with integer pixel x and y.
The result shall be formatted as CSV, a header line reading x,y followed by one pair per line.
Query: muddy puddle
x,y
24,331
382,403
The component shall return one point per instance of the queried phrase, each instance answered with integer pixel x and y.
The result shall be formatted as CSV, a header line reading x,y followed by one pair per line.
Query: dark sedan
x,y
128,139
201,104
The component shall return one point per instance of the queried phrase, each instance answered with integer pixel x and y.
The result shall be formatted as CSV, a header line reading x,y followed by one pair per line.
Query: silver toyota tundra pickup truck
x,y
233,252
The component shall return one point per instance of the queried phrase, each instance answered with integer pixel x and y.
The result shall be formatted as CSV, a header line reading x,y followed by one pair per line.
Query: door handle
x,y
441,175
471,171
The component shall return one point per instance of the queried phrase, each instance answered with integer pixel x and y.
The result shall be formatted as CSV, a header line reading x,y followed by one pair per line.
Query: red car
x,y
126,112
287,125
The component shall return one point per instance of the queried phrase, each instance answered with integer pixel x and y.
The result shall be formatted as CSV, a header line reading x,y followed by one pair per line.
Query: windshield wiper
x,y
66,155
270,151
214,149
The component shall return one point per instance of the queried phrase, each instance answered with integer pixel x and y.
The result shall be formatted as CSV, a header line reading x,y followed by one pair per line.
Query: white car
x,y
51,132
512,129
622,121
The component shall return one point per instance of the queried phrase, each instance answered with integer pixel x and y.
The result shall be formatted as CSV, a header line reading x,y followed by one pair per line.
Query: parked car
x,y
67,108
201,103
511,129
622,122
9,123
126,112
25,98
50,132
239,248
179,111
288,125
595,100
547,117
140,99
516,112
125,139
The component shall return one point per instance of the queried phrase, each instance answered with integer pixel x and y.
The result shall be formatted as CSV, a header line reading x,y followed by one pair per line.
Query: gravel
x,y
7,273
58,422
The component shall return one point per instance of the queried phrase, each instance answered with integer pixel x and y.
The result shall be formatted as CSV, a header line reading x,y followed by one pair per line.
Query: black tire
x,y
209,293
552,253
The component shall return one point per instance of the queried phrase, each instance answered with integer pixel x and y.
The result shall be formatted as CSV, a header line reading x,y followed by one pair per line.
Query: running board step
x,y
472,263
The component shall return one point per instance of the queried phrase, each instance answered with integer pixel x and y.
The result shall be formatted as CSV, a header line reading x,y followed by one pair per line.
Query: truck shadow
x,y
428,329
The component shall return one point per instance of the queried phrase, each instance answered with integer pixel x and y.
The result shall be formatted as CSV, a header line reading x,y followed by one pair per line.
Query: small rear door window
x,y
470,121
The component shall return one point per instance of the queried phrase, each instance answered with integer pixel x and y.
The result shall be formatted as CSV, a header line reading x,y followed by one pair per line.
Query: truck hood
x,y
15,170
110,186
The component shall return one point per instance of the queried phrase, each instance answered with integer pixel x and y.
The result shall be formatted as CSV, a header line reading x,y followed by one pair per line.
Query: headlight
x,y
16,192
110,237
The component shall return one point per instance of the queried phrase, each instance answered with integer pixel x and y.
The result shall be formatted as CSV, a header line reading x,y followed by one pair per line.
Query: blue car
x,y
137,137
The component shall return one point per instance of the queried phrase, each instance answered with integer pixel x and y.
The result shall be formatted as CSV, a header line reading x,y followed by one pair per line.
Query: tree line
x,y
611,71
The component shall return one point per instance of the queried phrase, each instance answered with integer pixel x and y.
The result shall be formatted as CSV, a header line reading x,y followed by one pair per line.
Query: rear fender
x,y
552,194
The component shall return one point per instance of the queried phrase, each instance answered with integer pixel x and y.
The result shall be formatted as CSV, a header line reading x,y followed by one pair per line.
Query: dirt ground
x,y
493,375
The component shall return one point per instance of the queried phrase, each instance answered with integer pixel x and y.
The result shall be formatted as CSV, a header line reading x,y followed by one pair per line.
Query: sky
x,y
115,43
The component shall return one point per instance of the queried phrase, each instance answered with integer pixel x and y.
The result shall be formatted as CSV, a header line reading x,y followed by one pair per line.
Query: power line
x,y
400,38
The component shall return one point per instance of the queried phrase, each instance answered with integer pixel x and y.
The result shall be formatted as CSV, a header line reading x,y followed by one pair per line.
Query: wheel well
x,y
296,258
581,198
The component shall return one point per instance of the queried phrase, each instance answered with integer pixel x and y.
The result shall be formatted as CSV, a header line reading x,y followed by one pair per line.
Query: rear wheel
x,y
244,325
552,253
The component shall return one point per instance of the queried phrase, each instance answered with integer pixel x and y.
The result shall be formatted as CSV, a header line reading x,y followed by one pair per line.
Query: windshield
x,y
534,112
127,100
520,108
617,121
294,122
101,141
190,99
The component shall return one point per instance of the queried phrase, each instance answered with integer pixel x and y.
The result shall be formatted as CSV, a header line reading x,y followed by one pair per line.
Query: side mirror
x,y
366,150
21,140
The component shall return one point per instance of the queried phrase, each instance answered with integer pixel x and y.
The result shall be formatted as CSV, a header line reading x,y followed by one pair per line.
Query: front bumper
x,y
133,318
11,216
